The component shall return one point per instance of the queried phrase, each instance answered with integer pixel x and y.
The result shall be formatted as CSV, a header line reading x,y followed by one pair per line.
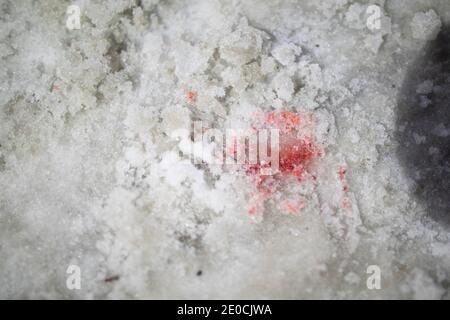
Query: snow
x,y
97,163
425,87
426,25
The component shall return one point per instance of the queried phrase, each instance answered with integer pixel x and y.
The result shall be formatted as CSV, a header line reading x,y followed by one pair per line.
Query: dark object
x,y
422,124
112,278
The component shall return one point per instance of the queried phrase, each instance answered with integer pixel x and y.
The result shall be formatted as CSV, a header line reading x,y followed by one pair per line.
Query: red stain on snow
x,y
292,206
297,144
191,97
345,202
298,151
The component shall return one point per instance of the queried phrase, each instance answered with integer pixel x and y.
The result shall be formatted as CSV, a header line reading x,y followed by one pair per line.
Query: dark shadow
x,y
423,126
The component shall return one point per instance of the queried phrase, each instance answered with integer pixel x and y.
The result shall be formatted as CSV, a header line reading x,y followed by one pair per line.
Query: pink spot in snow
x,y
345,202
293,206
191,97
298,152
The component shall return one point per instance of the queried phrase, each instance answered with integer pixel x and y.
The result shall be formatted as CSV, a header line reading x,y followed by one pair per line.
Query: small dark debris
x,y
112,278
199,273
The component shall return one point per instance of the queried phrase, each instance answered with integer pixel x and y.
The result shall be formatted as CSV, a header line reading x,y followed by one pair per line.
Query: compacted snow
x,y
99,169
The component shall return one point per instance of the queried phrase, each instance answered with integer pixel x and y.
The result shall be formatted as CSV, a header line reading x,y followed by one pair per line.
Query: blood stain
x,y
191,97
345,202
298,150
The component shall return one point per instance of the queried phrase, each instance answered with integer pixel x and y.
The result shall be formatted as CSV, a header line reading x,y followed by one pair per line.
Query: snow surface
x,y
94,142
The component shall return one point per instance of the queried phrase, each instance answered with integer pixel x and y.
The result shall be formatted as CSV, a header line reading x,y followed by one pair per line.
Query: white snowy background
x,y
92,175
